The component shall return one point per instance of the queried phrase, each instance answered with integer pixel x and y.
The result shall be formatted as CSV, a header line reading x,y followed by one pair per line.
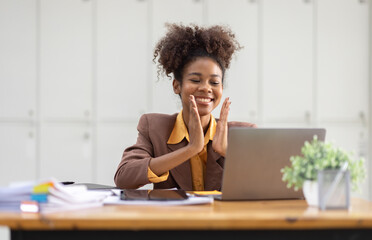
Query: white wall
x,y
370,100
75,75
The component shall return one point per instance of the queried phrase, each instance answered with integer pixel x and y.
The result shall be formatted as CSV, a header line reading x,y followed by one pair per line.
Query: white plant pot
x,y
310,190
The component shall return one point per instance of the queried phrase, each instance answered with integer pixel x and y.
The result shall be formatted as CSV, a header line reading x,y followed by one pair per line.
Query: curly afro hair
x,y
183,44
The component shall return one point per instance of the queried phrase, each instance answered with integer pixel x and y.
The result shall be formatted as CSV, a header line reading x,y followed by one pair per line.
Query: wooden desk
x,y
290,219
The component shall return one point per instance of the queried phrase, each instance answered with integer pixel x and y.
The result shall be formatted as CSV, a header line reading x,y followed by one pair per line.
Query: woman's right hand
x,y
161,164
196,134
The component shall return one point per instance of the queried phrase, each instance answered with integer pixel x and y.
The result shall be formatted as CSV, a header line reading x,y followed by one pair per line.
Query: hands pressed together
x,y
196,133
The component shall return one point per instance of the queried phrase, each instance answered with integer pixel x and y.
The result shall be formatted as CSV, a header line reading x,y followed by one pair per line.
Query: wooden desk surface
x,y
247,215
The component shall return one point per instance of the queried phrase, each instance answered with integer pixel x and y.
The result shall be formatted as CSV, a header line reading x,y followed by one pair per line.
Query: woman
x,y
185,150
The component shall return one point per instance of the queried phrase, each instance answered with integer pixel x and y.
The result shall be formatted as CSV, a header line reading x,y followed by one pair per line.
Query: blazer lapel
x,y
181,173
213,178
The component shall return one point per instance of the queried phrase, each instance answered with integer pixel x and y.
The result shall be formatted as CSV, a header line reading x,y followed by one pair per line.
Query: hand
x,y
195,127
219,144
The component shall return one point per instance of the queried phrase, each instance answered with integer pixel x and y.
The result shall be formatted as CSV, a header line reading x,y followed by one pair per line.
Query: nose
x,y
205,87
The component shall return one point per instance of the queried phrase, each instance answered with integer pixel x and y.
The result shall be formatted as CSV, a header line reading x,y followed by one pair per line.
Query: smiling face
x,y
203,79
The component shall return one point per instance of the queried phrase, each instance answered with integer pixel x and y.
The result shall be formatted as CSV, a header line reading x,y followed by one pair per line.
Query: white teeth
x,y
206,100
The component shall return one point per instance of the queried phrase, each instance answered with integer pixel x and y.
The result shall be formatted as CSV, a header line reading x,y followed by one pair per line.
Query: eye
x,y
214,82
195,80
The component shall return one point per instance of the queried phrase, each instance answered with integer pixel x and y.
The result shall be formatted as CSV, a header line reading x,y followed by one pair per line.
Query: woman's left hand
x,y
219,144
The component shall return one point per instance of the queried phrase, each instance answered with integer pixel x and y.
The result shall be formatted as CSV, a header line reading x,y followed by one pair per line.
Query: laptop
x,y
255,157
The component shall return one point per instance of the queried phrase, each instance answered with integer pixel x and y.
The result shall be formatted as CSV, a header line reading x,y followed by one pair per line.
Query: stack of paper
x,y
11,197
50,196
72,197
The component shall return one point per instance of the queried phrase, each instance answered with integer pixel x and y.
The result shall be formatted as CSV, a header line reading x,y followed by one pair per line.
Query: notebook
x,y
255,157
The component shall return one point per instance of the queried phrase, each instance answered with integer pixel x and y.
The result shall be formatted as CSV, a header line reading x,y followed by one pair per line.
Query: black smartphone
x,y
156,194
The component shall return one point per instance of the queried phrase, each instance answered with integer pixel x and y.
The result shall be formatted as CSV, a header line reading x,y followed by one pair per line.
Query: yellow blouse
x,y
198,162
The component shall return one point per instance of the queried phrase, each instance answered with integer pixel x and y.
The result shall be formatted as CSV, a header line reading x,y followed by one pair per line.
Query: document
x,y
12,196
49,196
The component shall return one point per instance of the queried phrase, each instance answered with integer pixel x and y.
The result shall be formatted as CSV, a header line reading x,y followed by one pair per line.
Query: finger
x,y
225,115
223,106
226,101
225,110
193,105
194,113
226,104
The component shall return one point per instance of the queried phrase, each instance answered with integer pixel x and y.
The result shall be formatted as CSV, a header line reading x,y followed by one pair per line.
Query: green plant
x,y
318,155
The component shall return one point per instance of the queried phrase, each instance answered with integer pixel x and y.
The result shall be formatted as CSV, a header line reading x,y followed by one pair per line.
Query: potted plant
x,y
318,155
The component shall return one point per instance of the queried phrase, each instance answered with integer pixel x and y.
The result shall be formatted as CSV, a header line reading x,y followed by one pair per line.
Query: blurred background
x,y
75,76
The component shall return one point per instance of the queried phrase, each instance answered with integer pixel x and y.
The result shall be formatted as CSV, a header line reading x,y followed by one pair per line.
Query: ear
x,y
176,86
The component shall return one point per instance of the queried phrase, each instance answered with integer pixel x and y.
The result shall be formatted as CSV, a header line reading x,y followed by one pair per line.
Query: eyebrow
x,y
199,74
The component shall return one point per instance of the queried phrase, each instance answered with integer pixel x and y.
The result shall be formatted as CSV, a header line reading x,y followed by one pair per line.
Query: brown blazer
x,y
153,133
